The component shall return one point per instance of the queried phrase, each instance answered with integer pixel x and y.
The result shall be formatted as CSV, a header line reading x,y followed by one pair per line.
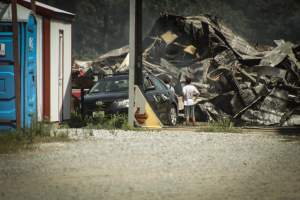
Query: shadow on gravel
x,y
291,134
291,139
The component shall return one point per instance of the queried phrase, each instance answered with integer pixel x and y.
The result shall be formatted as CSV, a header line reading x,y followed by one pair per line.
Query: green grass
x,y
224,125
28,139
98,121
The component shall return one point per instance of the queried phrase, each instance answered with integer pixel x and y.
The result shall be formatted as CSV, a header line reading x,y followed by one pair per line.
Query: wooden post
x,y
33,8
135,58
17,70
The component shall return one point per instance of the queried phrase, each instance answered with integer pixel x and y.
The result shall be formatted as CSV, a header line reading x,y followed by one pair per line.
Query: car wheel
x,y
172,116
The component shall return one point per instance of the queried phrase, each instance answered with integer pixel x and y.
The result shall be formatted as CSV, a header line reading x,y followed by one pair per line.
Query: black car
x,y
110,95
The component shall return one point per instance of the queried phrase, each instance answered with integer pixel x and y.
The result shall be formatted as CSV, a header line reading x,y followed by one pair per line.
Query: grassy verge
x,y
98,121
221,126
28,139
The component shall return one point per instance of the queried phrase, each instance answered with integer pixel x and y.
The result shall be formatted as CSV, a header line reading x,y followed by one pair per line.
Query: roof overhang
x,y
49,11
3,8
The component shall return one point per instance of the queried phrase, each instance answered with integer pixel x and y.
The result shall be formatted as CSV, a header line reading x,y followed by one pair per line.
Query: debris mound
x,y
235,79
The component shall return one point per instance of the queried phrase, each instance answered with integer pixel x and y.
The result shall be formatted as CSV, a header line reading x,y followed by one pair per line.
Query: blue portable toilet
x,y
29,107
46,63
27,53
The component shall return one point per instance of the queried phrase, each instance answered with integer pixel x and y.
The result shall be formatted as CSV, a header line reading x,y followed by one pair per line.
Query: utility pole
x,y
135,58
16,62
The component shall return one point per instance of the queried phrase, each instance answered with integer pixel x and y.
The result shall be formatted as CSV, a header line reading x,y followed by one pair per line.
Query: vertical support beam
x,y
82,111
17,70
135,58
46,69
33,8
138,45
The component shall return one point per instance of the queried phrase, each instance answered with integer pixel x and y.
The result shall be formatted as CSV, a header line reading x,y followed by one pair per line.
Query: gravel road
x,y
156,165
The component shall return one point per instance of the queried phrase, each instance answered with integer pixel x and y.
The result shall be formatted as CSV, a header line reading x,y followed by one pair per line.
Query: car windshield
x,y
119,85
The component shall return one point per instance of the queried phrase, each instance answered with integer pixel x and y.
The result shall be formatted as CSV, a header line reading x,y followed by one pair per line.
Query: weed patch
x,y
29,138
224,125
99,121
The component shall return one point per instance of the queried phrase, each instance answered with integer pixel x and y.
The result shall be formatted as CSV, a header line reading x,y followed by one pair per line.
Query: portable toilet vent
x,y
27,53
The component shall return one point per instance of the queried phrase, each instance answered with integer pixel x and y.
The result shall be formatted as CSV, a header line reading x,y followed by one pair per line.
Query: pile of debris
x,y
235,80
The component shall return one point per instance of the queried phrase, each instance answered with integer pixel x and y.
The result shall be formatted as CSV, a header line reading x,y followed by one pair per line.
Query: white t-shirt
x,y
170,87
189,91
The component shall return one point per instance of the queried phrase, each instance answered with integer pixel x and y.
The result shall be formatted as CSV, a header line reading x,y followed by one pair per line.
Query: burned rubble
x,y
236,81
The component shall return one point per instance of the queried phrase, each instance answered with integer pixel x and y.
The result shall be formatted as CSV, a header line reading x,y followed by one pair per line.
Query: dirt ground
x,y
156,165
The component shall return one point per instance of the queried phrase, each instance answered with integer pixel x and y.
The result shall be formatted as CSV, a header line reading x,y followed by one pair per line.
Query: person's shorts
x,y
189,111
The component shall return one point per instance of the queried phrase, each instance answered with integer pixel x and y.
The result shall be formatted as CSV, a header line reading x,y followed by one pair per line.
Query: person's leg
x,y
190,113
187,116
193,114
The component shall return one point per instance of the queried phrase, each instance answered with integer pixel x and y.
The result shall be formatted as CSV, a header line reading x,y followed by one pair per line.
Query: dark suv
x,y
110,94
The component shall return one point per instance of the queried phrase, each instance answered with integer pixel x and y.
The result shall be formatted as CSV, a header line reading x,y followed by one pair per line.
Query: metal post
x,y
135,59
16,62
82,111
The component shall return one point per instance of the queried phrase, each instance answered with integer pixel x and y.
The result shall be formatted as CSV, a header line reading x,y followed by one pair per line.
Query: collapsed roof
x,y
236,80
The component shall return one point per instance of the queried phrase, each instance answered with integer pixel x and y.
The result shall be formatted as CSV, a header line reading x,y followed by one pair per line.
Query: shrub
x,y
98,121
76,121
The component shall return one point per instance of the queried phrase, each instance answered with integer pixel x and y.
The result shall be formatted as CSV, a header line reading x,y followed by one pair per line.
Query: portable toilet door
x,y
7,81
30,77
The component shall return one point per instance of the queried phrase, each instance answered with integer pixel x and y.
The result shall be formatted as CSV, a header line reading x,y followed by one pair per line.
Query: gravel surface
x,y
156,165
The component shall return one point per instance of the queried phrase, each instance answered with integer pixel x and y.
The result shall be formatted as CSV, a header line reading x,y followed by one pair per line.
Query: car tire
x,y
172,116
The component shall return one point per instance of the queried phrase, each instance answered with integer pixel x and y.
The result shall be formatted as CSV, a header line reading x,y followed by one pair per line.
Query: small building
x,y
48,96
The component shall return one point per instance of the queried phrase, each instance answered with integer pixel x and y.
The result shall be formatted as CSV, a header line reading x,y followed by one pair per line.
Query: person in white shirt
x,y
167,82
189,93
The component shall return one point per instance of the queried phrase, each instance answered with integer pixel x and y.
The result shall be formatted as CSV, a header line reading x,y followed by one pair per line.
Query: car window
x,y
148,83
158,84
110,86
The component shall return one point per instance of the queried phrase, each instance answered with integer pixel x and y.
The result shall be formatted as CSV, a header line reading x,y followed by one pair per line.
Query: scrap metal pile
x,y
236,80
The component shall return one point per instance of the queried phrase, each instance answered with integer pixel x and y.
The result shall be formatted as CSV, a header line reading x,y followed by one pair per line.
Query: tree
x,y
104,25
